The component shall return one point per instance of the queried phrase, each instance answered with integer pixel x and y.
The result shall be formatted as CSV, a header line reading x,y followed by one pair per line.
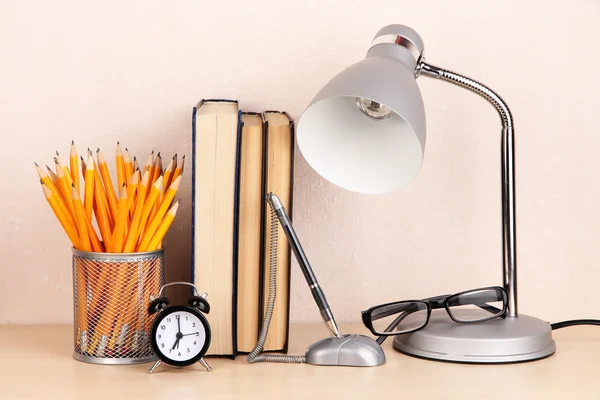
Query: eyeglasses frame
x,y
434,303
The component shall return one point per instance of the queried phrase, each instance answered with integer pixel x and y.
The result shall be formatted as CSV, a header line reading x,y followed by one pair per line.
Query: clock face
x,y
180,335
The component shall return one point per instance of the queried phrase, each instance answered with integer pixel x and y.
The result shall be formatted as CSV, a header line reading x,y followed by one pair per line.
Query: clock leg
x,y
205,364
156,364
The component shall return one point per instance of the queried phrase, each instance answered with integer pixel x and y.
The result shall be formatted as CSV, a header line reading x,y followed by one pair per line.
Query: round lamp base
x,y
502,340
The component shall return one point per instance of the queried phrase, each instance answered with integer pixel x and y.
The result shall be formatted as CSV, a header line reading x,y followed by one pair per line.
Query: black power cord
x,y
573,322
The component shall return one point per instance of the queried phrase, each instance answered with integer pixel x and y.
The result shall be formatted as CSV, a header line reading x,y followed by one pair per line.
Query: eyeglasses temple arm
x,y
393,325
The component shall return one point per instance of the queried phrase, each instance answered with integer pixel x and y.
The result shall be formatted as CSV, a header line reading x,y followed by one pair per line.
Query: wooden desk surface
x,y
36,363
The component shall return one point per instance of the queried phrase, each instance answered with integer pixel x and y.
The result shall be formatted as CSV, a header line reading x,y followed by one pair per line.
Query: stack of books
x,y
239,157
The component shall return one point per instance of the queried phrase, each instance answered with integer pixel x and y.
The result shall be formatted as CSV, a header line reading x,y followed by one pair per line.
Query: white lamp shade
x,y
355,151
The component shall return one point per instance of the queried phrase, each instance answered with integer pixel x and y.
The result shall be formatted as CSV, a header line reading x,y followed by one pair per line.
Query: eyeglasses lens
x,y
397,318
477,305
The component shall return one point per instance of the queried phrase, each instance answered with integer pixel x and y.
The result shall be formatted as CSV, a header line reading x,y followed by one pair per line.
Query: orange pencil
x,y
120,222
149,203
52,175
88,198
149,163
179,169
128,166
108,185
68,227
156,169
132,237
158,218
120,167
169,171
135,164
58,161
94,240
101,210
83,165
74,162
46,180
102,196
131,190
66,190
162,229
156,206
84,235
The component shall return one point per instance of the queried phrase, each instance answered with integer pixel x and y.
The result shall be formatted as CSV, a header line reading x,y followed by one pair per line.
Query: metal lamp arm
x,y
508,173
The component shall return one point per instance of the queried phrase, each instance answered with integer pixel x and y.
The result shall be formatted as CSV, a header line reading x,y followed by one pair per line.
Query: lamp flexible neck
x,y
508,173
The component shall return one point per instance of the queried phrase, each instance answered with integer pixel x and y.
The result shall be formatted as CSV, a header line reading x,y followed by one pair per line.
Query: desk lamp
x,y
365,132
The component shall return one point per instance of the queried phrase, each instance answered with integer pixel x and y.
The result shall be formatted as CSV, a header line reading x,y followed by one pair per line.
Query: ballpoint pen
x,y
315,289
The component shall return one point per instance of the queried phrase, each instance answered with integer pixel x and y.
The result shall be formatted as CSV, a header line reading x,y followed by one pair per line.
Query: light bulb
x,y
373,109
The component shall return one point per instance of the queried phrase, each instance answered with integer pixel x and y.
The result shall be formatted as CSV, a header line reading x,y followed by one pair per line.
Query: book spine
x,y
236,225
194,111
291,213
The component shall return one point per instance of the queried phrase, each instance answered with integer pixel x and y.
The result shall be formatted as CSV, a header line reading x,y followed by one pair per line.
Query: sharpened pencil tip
x,y
72,143
134,159
73,185
158,154
183,156
48,168
118,143
36,164
57,153
55,160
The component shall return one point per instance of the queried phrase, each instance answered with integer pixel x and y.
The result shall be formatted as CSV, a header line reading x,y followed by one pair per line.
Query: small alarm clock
x,y
180,333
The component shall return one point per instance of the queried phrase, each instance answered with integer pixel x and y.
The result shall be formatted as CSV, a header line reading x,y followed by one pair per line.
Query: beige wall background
x,y
98,72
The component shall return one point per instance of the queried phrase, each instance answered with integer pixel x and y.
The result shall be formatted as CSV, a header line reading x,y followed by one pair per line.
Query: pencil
x,y
169,172
160,214
99,187
179,169
84,235
52,175
156,168
58,161
63,184
137,215
120,167
83,166
60,213
128,166
46,180
108,185
135,163
88,198
131,190
156,206
74,163
154,243
149,203
120,221
94,240
149,163
101,210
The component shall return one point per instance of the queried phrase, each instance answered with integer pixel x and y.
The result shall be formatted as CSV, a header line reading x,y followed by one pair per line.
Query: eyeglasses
x,y
402,317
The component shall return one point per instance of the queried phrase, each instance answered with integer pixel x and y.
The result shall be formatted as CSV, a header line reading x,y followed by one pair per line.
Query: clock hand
x,y
195,333
179,325
176,344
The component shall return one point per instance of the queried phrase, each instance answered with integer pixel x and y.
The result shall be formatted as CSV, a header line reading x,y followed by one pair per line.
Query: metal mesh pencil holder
x,y
111,293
